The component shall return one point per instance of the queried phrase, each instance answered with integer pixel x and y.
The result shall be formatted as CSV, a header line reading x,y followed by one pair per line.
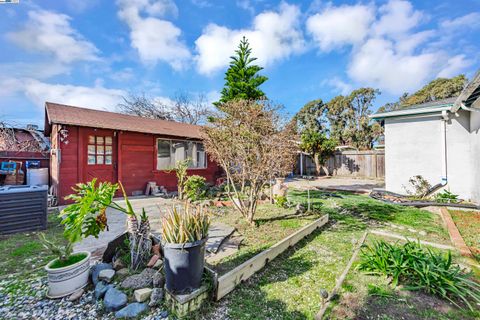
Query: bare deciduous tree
x,y
10,142
188,109
143,106
252,145
183,107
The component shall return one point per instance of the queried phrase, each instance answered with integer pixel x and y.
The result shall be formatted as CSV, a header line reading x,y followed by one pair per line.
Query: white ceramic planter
x,y
66,280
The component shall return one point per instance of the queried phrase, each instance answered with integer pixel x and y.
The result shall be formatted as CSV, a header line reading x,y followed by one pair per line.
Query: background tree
x,y
242,80
349,118
312,116
319,146
143,106
250,142
190,109
182,107
440,88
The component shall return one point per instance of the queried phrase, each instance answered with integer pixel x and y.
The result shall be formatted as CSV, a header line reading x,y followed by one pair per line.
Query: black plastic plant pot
x,y
184,265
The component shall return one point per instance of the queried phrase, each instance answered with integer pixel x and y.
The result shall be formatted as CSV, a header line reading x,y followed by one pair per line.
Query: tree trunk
x,y
317,164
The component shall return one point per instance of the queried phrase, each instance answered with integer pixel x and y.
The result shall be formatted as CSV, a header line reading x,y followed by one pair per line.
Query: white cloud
x,y
335,27
378,64
51,33
397,17
246,5
389,49
471,20
154,39
455,65
89,97
274,35
341,86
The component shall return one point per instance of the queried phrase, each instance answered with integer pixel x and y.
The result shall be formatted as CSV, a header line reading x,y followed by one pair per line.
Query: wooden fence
x,y
359,164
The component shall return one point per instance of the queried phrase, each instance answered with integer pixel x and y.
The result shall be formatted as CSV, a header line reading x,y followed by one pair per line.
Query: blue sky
x,y
91,53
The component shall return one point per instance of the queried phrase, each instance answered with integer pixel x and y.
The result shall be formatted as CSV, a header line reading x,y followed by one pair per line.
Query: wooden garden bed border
x,y
226,283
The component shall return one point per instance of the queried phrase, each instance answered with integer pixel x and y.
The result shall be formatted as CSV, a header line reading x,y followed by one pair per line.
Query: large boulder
x,y
133,310
114,300
96,271
139,281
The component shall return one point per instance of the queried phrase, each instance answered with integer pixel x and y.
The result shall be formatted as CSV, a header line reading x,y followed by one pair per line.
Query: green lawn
x,y
23,252
288,288
272,225
468,224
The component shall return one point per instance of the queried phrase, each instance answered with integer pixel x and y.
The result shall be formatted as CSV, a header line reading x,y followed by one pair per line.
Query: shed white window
x,y
169,152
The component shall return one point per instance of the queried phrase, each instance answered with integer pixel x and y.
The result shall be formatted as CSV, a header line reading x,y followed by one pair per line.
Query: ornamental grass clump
x,y
420,269
185,227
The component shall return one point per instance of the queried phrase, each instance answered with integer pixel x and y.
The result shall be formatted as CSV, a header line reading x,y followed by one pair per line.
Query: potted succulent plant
x,y
85,217
184,235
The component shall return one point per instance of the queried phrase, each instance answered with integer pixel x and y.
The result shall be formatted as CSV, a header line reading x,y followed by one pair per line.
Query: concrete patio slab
x,y
216,235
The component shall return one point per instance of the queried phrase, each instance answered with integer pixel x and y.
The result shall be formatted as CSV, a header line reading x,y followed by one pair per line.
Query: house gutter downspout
x,y
444,180
444,149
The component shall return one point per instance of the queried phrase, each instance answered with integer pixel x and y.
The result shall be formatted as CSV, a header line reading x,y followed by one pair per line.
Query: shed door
x,y
100,156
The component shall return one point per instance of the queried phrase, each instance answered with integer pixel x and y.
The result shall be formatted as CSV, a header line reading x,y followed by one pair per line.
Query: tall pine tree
x,y
241,78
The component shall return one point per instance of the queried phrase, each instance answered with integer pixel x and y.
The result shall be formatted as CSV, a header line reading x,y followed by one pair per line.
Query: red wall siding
x,y
69,164
135,164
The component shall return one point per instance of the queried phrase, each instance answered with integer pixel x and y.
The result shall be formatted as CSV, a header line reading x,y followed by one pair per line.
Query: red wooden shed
x,y
87,144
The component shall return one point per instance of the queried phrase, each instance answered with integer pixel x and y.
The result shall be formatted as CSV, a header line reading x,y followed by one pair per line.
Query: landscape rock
x,y
158,264
133,310
153,260
100,289
122,273
139,281
114,300
118,264
76,295
156,249
96,271
422,233
106,275
300,208
158,280
156,297
142,295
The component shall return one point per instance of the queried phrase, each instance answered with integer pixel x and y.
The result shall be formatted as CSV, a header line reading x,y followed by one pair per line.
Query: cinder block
x,y
184,304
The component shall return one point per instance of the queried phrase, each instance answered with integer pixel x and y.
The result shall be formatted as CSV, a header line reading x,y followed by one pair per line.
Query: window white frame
x,y
178,151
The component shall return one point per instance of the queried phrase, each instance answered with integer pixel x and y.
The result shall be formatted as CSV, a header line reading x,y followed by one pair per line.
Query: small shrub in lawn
x,y
281,201
420,269
195,188
446,197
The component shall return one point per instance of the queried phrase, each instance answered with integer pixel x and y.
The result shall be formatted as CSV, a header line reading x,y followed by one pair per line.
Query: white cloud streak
x,y
154,39
51,33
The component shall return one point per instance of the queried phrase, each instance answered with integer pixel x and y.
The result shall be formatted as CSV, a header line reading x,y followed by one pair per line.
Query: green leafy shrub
x,y
281,201
188,226
195,188
446,197
420,269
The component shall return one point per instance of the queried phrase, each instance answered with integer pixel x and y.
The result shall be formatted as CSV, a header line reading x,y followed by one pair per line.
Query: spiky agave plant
x,y
188,226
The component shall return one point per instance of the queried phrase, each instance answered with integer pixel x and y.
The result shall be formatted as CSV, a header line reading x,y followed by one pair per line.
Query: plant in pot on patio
x,y
184,235
85,217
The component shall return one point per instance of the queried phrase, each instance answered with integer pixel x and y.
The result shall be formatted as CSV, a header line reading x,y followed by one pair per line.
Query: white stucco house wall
x,y
438,140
